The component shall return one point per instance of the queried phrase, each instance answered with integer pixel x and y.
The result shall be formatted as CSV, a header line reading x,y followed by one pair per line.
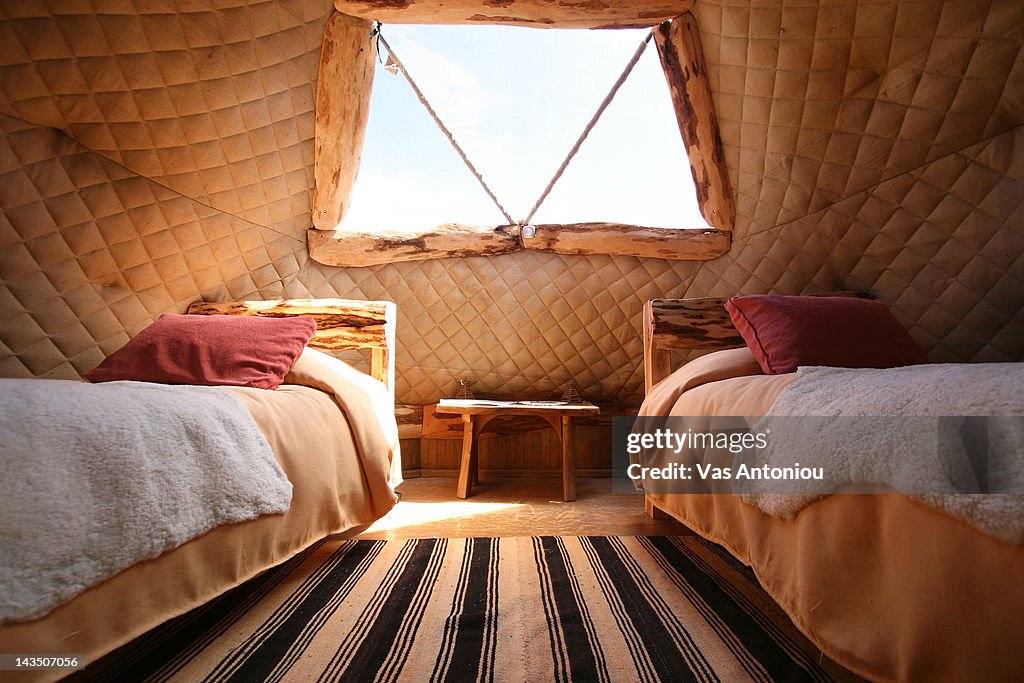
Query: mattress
x,y
889,588
330,429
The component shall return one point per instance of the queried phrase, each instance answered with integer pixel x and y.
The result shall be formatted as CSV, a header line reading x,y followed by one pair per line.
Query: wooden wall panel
x,y
535,453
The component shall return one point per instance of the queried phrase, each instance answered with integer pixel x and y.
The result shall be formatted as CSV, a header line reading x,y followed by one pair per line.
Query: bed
x,y
332,431
883,584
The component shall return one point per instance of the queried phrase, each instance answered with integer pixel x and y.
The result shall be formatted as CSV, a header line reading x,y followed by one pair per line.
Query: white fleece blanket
x,y
97,477
911,440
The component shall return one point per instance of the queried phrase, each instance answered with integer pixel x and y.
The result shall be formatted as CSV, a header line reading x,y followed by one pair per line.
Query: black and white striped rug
x,y
486,609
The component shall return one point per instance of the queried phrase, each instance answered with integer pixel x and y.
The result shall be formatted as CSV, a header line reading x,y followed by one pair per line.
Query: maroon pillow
x,y
231,350
785,332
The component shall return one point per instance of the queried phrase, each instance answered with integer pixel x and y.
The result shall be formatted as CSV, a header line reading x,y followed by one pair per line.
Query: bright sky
x,y
516,99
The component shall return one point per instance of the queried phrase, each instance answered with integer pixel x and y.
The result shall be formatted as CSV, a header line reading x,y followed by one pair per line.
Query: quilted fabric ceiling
x,y
213,100
819,102
159,152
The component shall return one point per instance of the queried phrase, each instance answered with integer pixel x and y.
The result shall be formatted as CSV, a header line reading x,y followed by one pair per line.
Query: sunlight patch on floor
x,y
408,513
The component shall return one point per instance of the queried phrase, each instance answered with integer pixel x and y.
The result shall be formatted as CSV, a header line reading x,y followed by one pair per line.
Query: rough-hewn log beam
x,y
342,110
352,249
683,61
630,240
340,323
692,324
348,249
535,13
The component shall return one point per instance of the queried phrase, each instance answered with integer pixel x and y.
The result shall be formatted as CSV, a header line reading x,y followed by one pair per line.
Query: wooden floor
x,y
517,507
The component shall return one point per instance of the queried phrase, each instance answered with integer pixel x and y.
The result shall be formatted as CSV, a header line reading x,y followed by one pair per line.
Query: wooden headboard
x,y
341,324
699,324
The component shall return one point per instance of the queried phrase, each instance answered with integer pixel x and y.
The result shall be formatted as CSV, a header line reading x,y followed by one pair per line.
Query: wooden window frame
x,y
342,112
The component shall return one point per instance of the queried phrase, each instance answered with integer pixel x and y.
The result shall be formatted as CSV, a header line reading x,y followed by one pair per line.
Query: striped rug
x,y
486,609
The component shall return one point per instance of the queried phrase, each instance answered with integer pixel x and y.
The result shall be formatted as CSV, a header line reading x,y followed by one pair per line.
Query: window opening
x,y
631,169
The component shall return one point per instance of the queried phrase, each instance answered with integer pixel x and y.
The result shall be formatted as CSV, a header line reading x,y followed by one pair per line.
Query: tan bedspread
x,y
336,489
722,383
884,585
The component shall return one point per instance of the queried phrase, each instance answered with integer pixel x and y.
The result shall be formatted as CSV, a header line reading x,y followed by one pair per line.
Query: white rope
x,y
440,124
590,126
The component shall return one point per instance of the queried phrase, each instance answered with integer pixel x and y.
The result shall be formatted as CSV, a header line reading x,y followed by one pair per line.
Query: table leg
x,y
474,453
467,466
568,461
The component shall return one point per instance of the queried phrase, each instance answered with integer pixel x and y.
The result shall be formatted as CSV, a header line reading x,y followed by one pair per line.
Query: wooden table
x,y
477,413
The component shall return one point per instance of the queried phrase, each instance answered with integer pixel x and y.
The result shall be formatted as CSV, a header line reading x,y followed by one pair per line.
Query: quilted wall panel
x,y
212,99
155,153
90,253
819,101
942,245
